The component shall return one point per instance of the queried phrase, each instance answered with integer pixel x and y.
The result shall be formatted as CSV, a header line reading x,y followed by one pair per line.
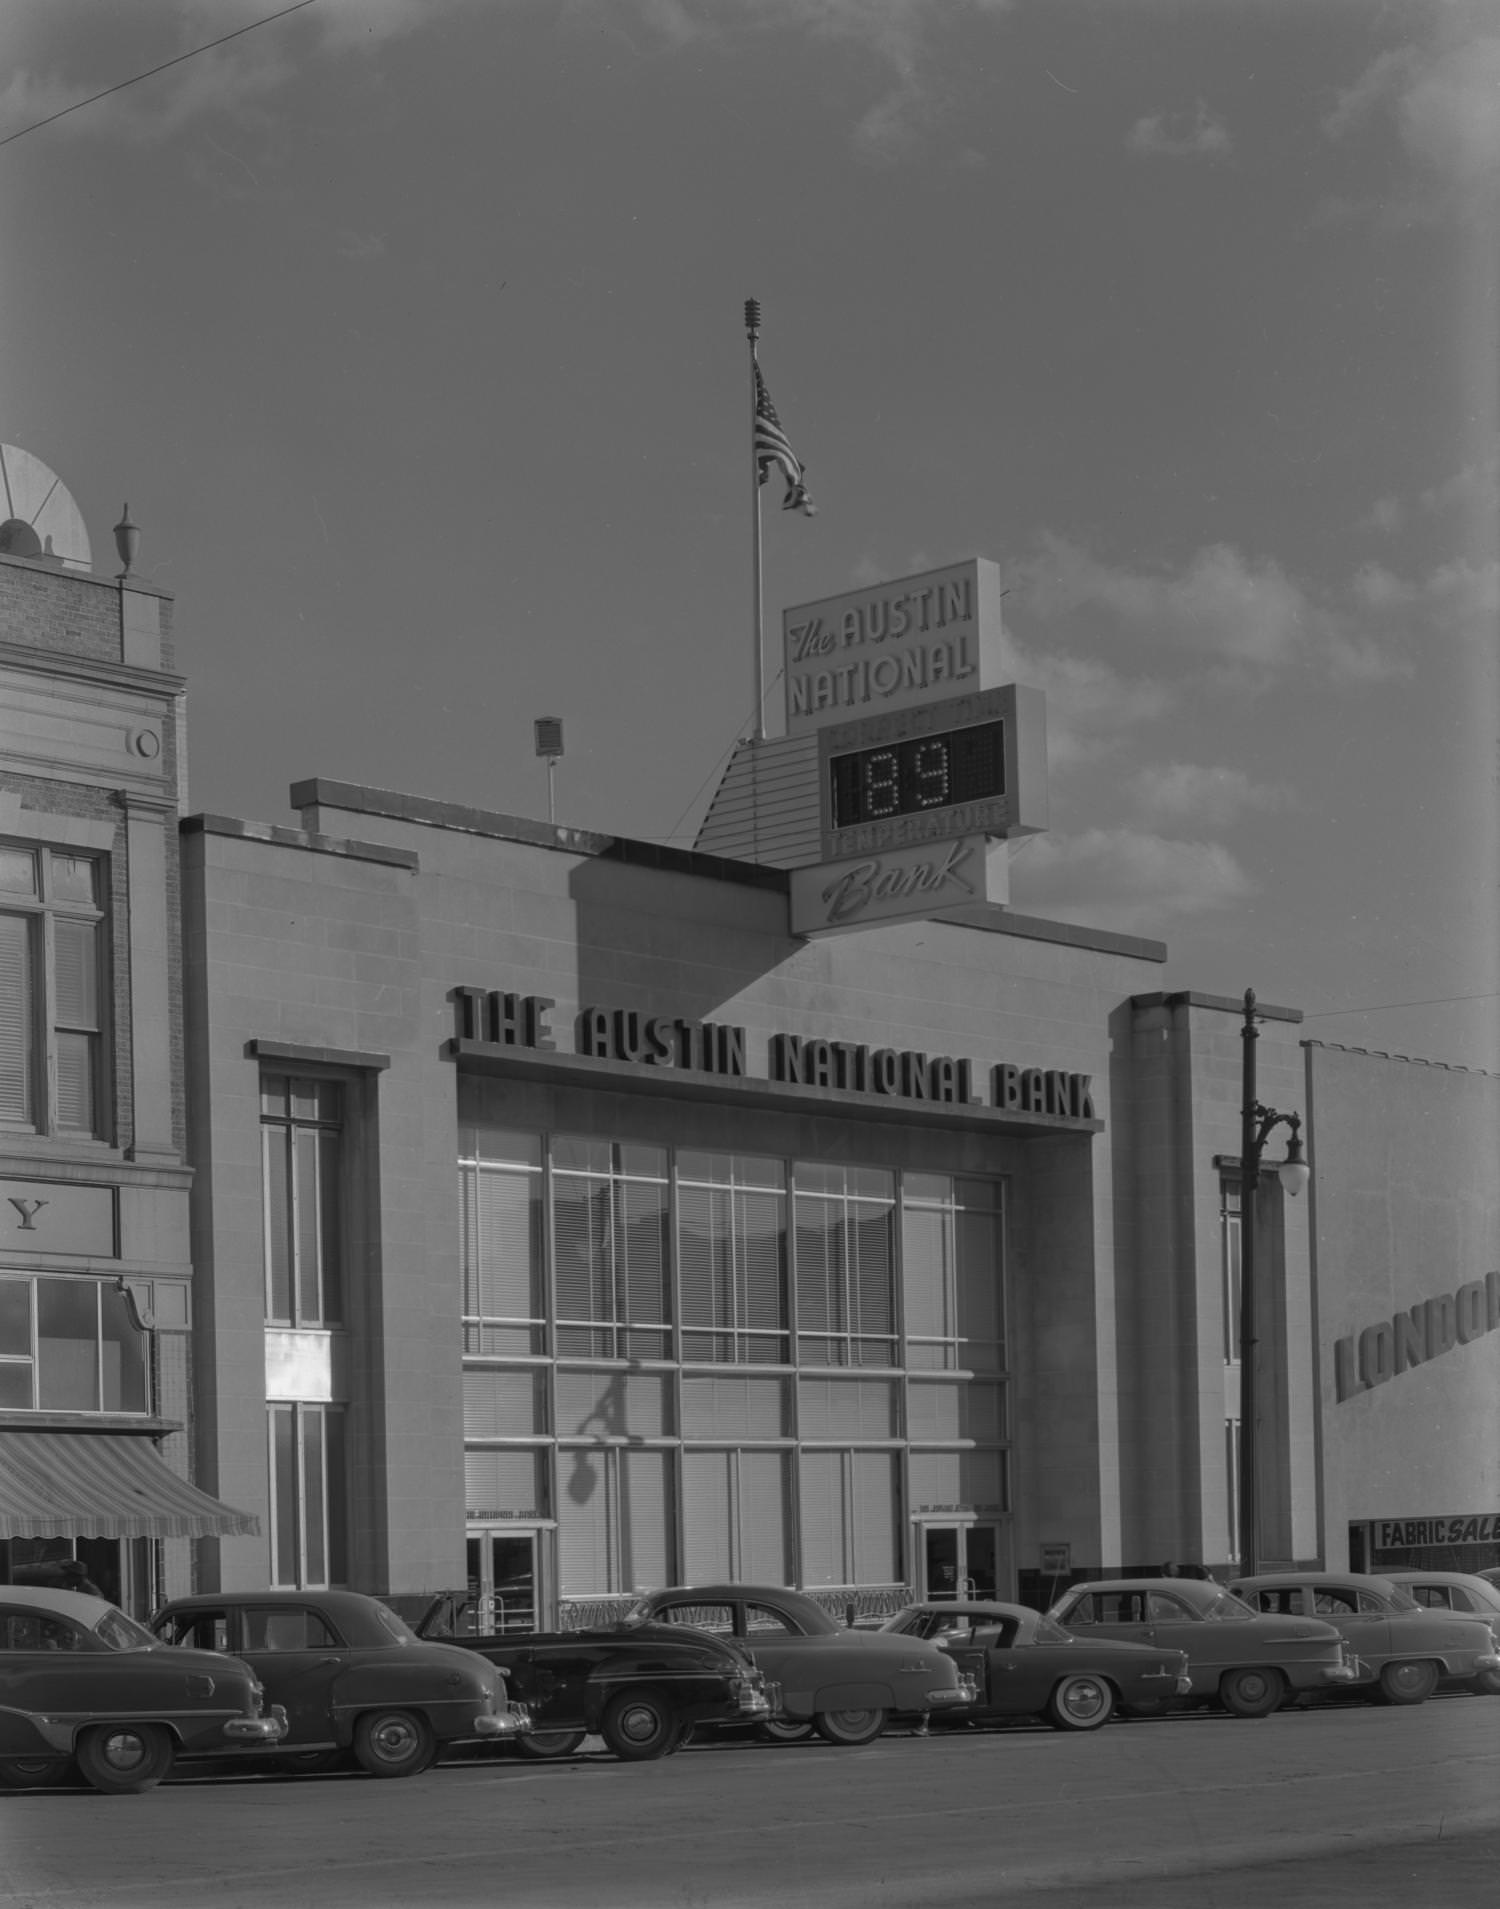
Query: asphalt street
x,y
1332,1807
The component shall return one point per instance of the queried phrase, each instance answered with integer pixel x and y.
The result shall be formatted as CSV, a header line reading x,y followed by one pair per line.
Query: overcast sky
x,y
412,332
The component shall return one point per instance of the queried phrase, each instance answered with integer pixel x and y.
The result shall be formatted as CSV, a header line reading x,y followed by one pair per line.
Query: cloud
x,y
1441,98
1475,487
1221,605
360,247
1091,708
1212,798
1195,135
1126,879
238,76
1386,515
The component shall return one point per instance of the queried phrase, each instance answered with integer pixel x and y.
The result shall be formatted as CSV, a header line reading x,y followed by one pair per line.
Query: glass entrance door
x,y
960,1561
503,1580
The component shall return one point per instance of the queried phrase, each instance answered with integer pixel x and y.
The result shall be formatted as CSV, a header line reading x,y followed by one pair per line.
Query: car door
x,y
1360,1618
40,1675
1171,1623
1018,1677
299,1658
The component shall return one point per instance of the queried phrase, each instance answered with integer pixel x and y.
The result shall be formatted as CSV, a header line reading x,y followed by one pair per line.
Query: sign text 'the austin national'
x,y
495,1021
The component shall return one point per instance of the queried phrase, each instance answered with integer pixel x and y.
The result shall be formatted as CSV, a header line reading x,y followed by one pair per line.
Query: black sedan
x,y
1027,1666
350,1675
83,1685
641,1689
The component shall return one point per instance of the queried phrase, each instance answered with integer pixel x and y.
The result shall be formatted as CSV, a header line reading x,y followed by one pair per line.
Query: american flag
x,y
772,446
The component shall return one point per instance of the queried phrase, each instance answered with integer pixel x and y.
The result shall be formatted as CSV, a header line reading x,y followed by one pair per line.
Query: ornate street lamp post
x,y
1256,1126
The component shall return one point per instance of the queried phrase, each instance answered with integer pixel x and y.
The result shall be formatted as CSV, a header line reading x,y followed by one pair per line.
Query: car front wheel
x,y
1408,1683
639,1725
122,1759
1080,1702
393,1743
544,1745
849,1728
1251,1693
787,1729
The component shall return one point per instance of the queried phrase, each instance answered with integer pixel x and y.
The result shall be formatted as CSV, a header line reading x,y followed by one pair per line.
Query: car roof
x,y
1438,1577
1470,1580
770,1594
78,1605
1191,1587
331,1600
1333,1580
974,1607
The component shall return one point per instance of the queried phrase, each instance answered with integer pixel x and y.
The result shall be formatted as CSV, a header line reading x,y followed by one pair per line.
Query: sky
x,y
412,332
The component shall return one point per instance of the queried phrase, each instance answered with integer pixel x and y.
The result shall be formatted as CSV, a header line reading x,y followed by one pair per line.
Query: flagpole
x,y
757,727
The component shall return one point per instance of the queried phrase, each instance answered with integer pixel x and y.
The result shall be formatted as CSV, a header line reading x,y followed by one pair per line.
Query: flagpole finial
x,y
752,316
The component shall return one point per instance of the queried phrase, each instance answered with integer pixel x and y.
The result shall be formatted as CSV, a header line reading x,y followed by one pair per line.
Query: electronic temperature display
x,y
920,772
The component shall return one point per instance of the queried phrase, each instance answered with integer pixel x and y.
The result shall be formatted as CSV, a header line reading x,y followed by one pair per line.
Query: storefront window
x,y
721,1364
950,1246
849,1518
615,1520
736,1517
610,1219
502,1212
846,1265
69,1344
732,1258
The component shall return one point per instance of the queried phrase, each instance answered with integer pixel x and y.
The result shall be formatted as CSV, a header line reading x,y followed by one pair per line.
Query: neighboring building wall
x,y
1406,1196
89,717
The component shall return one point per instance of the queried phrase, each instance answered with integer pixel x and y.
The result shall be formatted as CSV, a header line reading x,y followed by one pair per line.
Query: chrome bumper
x,y
515,1722
1343,1673
258,1729
966,1692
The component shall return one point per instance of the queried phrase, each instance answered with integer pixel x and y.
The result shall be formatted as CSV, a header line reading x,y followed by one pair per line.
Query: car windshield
x,y
1226,1608
1402,1599
120,1632
1047,1632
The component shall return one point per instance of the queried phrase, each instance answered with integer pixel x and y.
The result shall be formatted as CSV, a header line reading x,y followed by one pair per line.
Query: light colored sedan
x,y
844,1684
1247,1663
1468,1594
1402,1651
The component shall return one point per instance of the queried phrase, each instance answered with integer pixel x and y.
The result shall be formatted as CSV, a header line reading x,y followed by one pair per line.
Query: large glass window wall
x,y
697,1365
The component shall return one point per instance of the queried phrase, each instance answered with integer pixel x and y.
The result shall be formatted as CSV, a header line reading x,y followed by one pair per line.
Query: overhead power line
x,y
1382,1007
151,72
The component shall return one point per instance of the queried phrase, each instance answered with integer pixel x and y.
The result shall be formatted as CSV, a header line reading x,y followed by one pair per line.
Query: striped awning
x,y
103,1485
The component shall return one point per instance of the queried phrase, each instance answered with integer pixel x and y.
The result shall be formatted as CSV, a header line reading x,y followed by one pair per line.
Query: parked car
x,y
1467,1594
1027,1666
842,1684
1490,1574
83,1684
640,1689
1401,1651
350,1675
1246,1663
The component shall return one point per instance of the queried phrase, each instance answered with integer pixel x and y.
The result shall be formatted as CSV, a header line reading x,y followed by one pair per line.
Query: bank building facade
x,y
498,1202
